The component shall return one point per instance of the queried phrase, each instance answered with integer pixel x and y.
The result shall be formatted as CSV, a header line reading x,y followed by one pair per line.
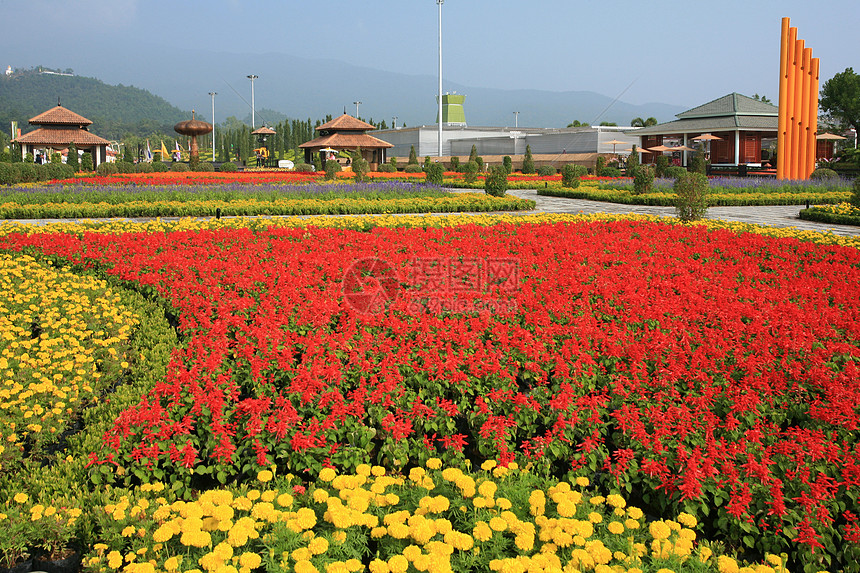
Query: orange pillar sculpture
x,y
798,106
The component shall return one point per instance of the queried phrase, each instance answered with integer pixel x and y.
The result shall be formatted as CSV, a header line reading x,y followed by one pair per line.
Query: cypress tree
x,y
413,157
528,161
72,159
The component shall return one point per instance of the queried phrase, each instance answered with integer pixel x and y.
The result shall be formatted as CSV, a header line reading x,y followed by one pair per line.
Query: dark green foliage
x,y
107,168
611,171
194,163
123,167
855,193
691,202
27,172
570,176
426,161
413,157
87,161
15,153
840,98
661,165
300,167
455,163
643,180
434,173
4,156
387,168
698,163
360,166
144,167
393,163
473,154
8,174
160,166
205,166
59,171
318,166
28,158
56,157
480,162
632,161
470,172
508,163
179,167
599,166
546,170
674,172
413,168
72,158
230,167
823,173
496,181
528,161
116,111
332,168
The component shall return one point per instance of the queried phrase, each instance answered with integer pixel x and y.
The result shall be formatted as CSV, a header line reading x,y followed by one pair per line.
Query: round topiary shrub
x,y
570,177
674,172
205,167
470,172
123,167
496,181
387,168
643,180
508,164
179,167
332,168
107,168
144,167
160,166
229,167
691,201
611,172
823,173
434,173
546,170
300,167
413,168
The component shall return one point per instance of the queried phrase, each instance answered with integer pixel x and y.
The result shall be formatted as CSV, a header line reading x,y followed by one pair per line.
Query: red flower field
x,y
681,365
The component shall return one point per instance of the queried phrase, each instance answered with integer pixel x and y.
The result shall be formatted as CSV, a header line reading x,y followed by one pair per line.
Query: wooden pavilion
x,y
740,123
346,133
59,128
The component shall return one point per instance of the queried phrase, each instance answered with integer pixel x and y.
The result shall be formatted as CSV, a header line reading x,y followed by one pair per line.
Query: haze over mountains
x,y
312,88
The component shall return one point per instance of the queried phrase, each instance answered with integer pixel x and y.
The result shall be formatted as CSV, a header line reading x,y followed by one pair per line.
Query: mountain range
x,y
313,88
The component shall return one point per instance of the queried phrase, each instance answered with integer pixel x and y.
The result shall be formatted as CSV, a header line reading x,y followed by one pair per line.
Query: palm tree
x,y
637,122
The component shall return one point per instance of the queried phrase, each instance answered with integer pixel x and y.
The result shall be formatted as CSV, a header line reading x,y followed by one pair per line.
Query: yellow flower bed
x,y
60,333
366,221
434,519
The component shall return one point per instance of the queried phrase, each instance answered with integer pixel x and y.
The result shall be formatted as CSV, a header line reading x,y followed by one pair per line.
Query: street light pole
x,y
516,119
252,77
357,103
440,2
394,125
212,95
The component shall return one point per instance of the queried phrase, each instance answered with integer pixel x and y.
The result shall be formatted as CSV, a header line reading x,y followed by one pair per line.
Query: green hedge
x,y
822,216
715,199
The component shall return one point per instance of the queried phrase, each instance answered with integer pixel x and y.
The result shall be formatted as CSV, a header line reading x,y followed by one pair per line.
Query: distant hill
x,y
114,110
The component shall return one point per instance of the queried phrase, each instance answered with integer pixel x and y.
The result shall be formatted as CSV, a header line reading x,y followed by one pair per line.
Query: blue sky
x,y
683,53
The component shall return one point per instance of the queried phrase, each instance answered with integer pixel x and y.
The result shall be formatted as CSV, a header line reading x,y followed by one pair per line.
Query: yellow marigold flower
x,y
595,517
173,563
503,503
498,524
250,560
339,536
320,495
487,489
582,481
318,545
398,564
616,500
659,530
616,528
327,474
434,463
129,531
482,531
301,554
265,476
488,465
377,471
726,564
353,565
704,553
635,513
305,566
412,552
597,500
114,560
631,524
378,566
21,497
687,520
664,570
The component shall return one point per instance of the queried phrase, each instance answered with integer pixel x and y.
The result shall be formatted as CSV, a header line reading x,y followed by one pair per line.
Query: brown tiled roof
x,y
345,123
346,141
59,116
263,131
61,136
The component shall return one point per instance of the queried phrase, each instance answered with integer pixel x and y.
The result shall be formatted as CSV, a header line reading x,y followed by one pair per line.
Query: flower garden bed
x,y
238,199
841,214
686,367
724,191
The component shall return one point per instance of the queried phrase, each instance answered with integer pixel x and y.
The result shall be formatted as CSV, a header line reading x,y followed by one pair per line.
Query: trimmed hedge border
x,y
821,216
714,199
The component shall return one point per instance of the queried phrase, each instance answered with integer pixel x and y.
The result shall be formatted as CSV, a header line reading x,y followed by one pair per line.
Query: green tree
x,y
434,173
608,124
632,161
528,161
691,196
761,98
840,98
577,123
72,158
413,157
473,155
496,181
637,122
87,162
508,163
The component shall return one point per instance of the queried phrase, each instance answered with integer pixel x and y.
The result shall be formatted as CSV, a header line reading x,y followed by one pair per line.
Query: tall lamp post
x,y
440,2
212,95
252,77
516,119
357,103
394,122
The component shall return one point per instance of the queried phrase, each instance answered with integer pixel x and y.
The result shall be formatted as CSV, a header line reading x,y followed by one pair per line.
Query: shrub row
x,y
12,173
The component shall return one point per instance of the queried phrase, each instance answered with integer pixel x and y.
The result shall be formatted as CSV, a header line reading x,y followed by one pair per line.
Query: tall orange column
x,y
798,106
783,99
